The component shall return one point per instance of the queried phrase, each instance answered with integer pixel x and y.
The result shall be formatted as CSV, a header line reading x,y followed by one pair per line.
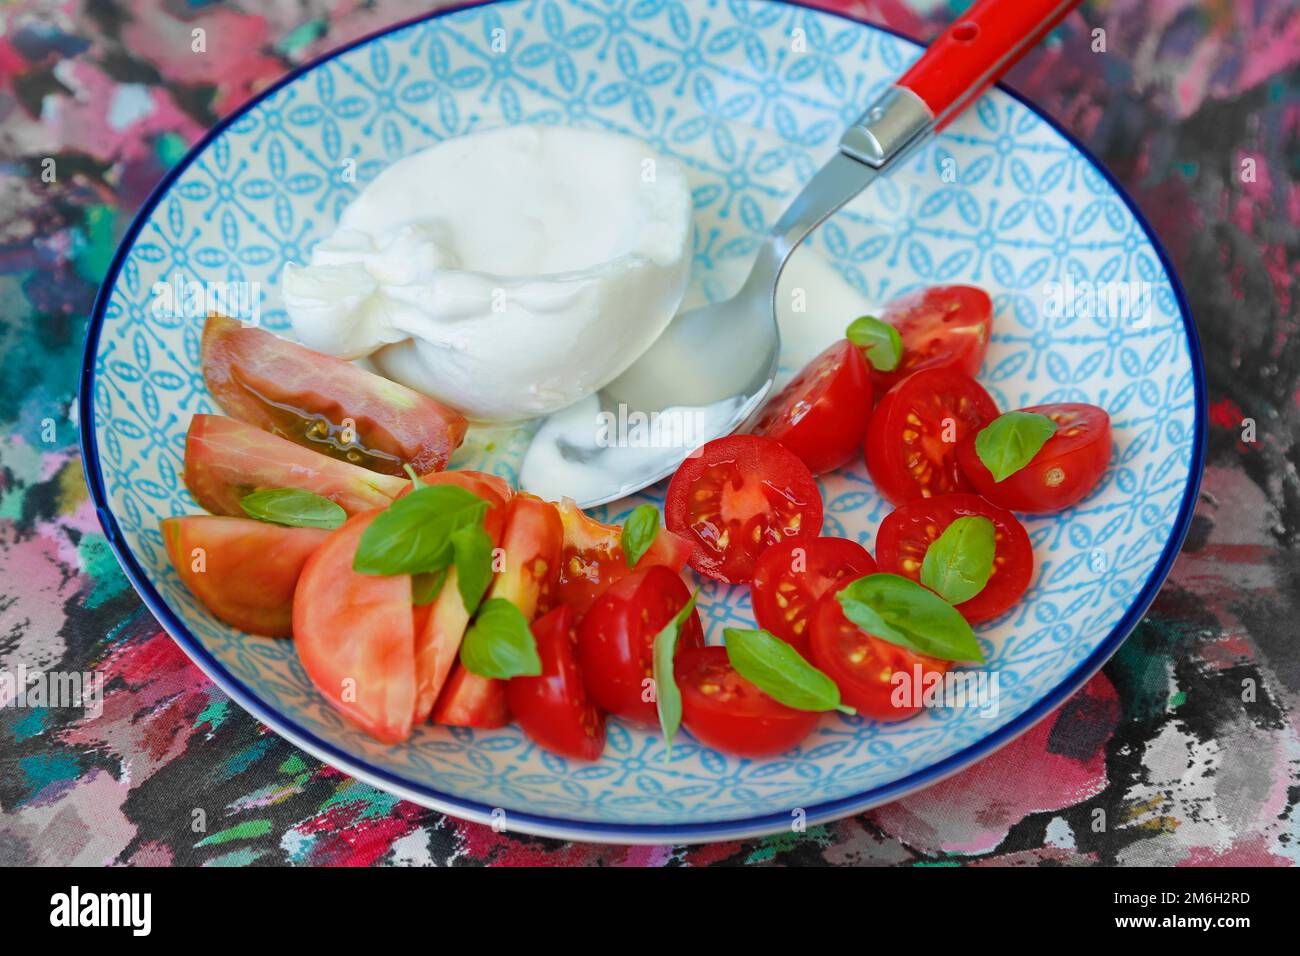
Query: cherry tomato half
x,y
822,414
911,449
791,576
553,708
737,496
907,533
724,711
1064,471
946,326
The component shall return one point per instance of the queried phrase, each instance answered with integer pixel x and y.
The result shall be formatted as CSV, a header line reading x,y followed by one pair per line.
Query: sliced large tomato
x,y
822,414
244,571
947,326
226,459
325,403
355,634
553,708
793,575
737,496
911,449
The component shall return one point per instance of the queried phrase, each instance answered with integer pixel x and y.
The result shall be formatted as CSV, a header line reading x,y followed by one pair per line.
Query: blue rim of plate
x,y
660,833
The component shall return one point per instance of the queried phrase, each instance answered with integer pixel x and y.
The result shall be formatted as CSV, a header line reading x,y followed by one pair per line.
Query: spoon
x,y
712,366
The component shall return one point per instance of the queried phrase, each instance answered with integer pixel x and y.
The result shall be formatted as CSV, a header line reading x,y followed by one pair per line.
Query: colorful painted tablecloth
x,y
1184,750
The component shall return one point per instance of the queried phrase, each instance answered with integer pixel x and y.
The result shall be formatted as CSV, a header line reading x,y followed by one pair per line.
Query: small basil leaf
x,y
959,562
1011,441
668,698
472,547
897,609
426,587
879,341
293,508
639,531
781,672
499,643
413,534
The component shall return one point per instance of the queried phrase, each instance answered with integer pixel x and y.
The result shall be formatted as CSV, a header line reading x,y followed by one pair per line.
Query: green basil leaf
x,y
897,609
668,698
639,531
1011,441
959,562
413,534
499,643
293,508
472,547
426,587
879,341
781,672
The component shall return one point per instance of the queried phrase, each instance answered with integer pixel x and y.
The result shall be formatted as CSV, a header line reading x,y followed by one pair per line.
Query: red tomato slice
x,y
907,533
593,557
244,571
911,449
553,708
325,403
947,326
226,459
1064,471
863,666
790,577
822,414
616,640
355,634
738,496
724,711
469,700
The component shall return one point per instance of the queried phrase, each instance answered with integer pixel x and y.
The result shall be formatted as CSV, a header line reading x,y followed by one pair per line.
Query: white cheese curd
x,y
507,273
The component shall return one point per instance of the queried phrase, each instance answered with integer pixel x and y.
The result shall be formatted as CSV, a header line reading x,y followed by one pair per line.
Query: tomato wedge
x,y
244,571
325,403
724,711
553,708
1064,471
947,326
616,640
226,459
355,634
736,497
907,533
822,414
791,576
911,449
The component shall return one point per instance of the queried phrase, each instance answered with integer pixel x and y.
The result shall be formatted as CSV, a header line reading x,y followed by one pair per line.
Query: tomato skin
x,y
907,460
724,711
821,415
783,599
945,326
737,496
1064,471
553,708
863,666
906,532
616,640
250,568
307,397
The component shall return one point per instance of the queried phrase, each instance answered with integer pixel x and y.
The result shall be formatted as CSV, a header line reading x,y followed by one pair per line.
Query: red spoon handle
x,y
976,50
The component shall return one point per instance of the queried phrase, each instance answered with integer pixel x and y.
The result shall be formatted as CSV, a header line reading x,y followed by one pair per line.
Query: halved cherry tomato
x,y
822,414
593,557
616,640
911,449
863,666
792,575
1064,471
946,326
355,634
724,711
737,496
907,533
325,403
553,708
244,571
226,459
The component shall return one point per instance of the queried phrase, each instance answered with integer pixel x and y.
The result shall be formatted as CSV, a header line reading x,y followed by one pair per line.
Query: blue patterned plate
x,y
751,97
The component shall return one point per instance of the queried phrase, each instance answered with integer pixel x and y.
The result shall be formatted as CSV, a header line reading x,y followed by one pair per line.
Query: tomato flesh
x,y
790,578
946,326
554,708
469,700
